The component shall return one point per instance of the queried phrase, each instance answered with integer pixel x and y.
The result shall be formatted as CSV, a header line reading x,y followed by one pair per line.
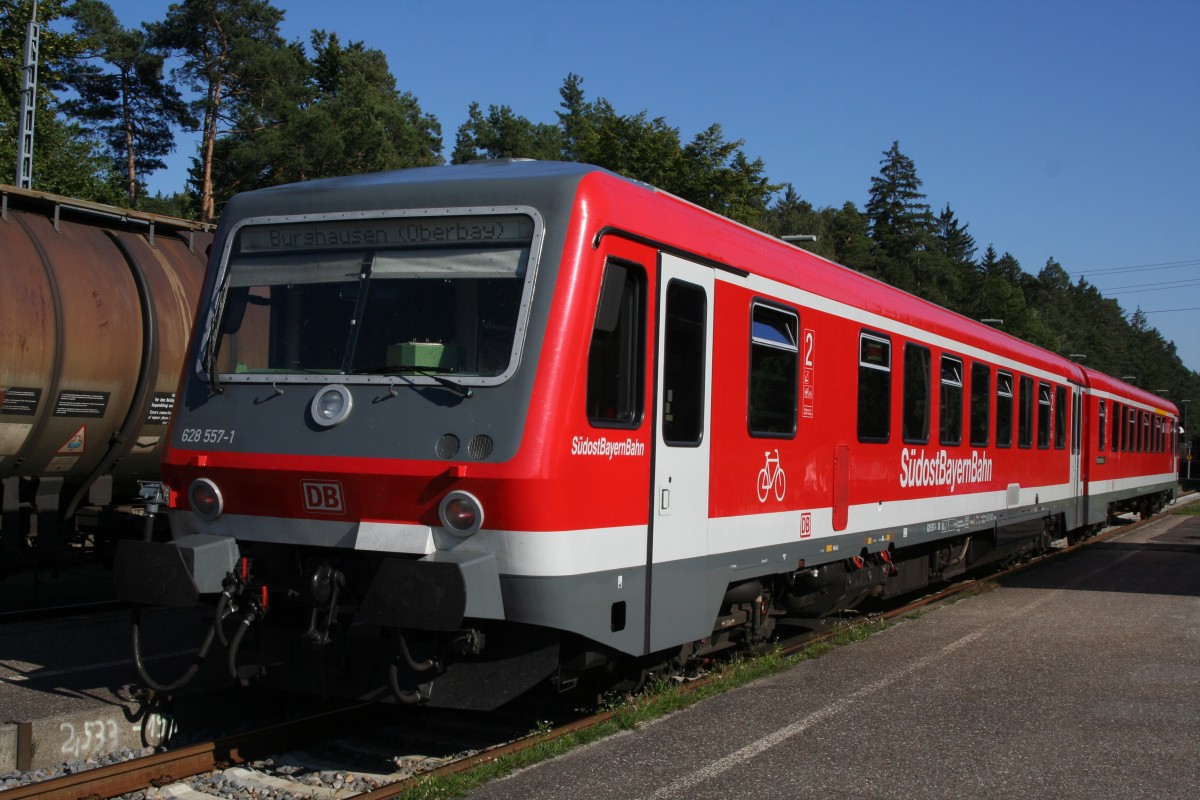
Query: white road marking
x,y
723,765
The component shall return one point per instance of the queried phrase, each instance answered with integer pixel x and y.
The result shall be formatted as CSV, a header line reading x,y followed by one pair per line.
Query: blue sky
x,y
1054,128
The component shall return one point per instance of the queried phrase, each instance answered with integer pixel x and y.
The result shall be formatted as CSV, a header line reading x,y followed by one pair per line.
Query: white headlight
x,y
331,405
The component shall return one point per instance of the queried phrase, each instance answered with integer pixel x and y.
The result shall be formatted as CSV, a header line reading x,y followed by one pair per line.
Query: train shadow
x,y
1150,568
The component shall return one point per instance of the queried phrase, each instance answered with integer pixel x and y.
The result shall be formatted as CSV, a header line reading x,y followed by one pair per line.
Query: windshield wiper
x,y
398,370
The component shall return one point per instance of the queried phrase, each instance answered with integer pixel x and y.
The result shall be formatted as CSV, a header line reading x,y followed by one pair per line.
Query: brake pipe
x,y
197,662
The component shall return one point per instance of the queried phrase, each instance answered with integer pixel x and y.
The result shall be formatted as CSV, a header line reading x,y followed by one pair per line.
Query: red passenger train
x,y
512,420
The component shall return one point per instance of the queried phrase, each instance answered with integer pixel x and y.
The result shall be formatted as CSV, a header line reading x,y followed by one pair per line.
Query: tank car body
x,y
95,315
518,418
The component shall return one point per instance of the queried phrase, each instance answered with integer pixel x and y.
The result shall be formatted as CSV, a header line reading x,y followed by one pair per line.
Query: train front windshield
x,y
409,295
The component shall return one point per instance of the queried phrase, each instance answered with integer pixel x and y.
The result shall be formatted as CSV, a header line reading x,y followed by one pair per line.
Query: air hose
x,y
402,696
197,662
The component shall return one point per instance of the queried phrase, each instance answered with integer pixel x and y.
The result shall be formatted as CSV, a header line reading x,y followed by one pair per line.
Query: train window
x,y
1077,425
1118,427
1131,443
408,298
951,401
1043,420
1004,409
1102,427
617,355
774,371
981,397
1145,432
1025,413
874,387
684,364
1060,417
915,414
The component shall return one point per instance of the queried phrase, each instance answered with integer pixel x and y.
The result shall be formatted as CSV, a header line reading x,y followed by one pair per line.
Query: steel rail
x,y
161,769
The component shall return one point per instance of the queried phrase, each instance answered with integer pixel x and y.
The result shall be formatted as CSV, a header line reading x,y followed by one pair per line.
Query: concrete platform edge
x,y
8,748
93,733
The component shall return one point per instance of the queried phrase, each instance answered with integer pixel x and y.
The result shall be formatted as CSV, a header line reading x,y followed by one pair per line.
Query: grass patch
x,y
975,589
1191,509
660,699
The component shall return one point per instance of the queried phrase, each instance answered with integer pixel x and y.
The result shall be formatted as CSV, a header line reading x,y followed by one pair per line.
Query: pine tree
x,y
504,134
343,115
901,223
231,51
129,104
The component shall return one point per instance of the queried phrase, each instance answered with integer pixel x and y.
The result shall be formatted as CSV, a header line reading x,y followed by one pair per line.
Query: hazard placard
x,y
76,444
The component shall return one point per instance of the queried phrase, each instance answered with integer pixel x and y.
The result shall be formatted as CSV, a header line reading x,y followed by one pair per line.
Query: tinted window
x,y
981,397
1103,426
774,365
1004,409
616,357
1060,417
1043,419
1025,413
1118,428
684,364
951,413
915,414
874,387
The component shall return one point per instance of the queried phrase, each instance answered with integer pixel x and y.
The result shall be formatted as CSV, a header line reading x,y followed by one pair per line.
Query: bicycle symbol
x,y
771,477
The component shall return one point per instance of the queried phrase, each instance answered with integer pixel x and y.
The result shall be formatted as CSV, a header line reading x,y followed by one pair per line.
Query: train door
x,y
679,520
1078,479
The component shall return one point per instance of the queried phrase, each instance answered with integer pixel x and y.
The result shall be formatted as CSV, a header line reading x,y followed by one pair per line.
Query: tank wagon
x,y
95,311
446,432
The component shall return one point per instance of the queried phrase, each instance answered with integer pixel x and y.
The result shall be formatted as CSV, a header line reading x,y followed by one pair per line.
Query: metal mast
x,y
28,104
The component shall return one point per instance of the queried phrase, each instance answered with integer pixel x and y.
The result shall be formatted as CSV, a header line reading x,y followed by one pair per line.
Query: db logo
x,y
805,525
324,497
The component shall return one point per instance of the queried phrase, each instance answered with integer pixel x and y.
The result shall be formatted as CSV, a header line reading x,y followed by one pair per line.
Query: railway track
x,y
383,763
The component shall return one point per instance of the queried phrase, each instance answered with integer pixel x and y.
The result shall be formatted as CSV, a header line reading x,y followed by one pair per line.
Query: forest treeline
x,y
113,99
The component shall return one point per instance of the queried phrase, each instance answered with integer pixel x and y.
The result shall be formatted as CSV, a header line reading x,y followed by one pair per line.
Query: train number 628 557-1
x,y
206,436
